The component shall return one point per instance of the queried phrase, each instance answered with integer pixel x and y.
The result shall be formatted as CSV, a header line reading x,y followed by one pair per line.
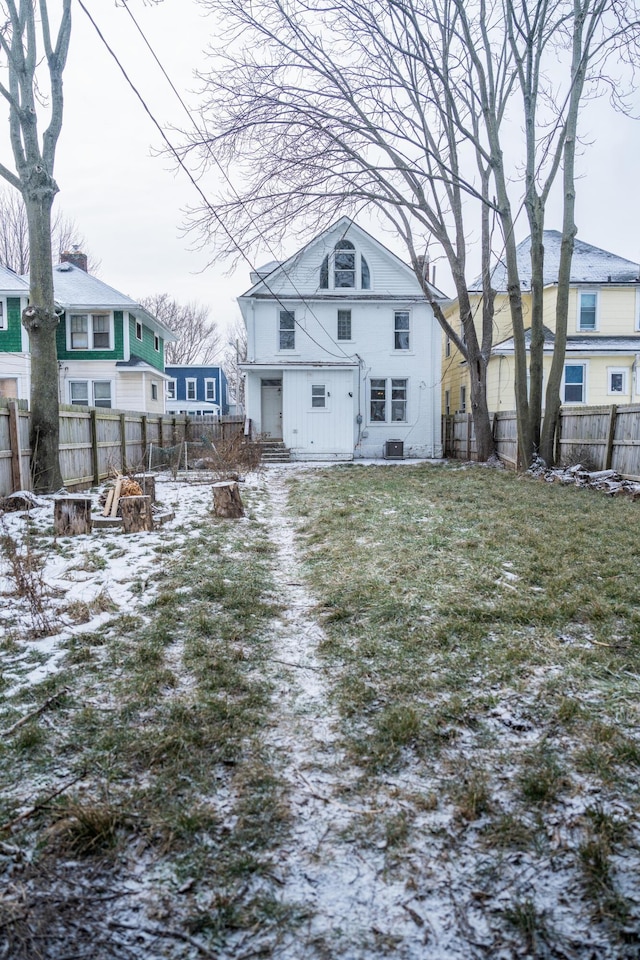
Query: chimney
x,y
75,257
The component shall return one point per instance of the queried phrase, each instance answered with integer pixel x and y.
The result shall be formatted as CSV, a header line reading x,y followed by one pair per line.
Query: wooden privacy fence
x,y
96,441
604,438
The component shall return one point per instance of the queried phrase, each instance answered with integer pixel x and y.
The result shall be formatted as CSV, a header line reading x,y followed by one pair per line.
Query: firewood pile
x,y
607,481
112,494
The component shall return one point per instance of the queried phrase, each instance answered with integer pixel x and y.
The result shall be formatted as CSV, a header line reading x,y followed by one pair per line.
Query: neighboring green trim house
x,y
110,349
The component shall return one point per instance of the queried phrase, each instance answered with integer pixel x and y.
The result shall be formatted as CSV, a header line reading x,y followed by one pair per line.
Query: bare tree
x,y
235,352
25,39
199,339
14,235
401,105
355,105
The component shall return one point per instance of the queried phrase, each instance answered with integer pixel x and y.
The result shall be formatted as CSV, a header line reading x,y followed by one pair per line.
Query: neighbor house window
x,y
210,390
156,342
344,324
463,399
287,330
401,330
365,275
573,387
79,393
171,390
86,392
138,330
3,322
90,331
587,311
388,400
191,389
447,402
447,347
101,393
318,396
154,391
617,377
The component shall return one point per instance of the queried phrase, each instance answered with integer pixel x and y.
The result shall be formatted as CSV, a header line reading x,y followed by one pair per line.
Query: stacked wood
x,y
137,515
226,500
72,516
123,487
607,481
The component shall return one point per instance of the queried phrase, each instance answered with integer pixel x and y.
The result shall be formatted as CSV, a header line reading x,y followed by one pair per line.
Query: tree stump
x,y
226,500
136,514
148,484
72,516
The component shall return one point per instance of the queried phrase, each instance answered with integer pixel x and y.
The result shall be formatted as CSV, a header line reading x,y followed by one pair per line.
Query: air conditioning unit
x,y
394,450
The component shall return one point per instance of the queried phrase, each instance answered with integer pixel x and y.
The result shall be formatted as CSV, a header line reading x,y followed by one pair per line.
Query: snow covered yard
x,y
392,712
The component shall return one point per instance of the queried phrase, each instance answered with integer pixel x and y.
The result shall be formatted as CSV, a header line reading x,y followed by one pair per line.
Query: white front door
x,y
271,413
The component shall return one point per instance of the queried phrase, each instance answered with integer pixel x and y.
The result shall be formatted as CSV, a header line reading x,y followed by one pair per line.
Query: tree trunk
x,y
226,500
136,514
72,516
41,322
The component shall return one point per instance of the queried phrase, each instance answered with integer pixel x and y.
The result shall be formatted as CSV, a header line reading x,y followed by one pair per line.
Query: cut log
x,y
226,499
147,485
72,516
136,514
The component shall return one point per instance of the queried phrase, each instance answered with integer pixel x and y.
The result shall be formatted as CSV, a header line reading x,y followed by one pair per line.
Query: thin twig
x,y
34,713
43,803
165,932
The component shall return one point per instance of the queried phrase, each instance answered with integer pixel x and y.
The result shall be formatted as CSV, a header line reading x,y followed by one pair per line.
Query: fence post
x,y
144,438
160,430
611,430
469,424
123,442
174,433
17,482
93,420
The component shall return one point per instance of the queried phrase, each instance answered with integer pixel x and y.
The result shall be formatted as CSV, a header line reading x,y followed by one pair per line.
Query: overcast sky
x,y
128,203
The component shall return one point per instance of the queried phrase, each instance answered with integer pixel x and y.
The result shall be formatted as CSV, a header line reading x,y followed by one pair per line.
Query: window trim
x,y
596,320
327,271
154,390
463,398
397,332
282,314
139,327
172,389
91,316
324,396
585,367
91,392
190,382
210,382
625,381
156,343
388,400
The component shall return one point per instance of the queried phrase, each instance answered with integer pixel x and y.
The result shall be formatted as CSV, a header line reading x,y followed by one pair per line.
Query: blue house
x,y
197,390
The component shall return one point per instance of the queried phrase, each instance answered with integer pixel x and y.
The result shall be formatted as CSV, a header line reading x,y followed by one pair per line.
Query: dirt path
x,y
354,910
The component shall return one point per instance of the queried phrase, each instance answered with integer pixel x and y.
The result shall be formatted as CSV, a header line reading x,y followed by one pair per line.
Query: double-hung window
x,y
86,392
344,268
90,331
574,383
344,324
617,380
287,330
587,310
171,390
3,319
190,388
210,390
344,274
388,400
401,330
318,396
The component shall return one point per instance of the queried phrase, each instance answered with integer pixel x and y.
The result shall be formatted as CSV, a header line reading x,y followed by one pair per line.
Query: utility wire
x,y
197,186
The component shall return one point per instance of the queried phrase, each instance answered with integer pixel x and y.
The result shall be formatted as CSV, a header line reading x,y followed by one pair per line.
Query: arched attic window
x,y
339,269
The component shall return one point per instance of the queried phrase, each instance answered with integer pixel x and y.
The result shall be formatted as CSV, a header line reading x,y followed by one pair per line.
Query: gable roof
x,y
11,284
262,276
589,265
74,288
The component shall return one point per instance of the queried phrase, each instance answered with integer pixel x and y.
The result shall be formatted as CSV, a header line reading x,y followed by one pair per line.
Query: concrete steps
x,y
274,451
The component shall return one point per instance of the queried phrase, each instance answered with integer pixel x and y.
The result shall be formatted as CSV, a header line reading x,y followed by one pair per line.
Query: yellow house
x,y
602,363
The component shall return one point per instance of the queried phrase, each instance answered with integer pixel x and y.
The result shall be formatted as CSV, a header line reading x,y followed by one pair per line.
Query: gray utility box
x,y
394,450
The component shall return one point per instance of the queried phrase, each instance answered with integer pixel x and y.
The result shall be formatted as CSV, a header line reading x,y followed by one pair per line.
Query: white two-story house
x,y
343,352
